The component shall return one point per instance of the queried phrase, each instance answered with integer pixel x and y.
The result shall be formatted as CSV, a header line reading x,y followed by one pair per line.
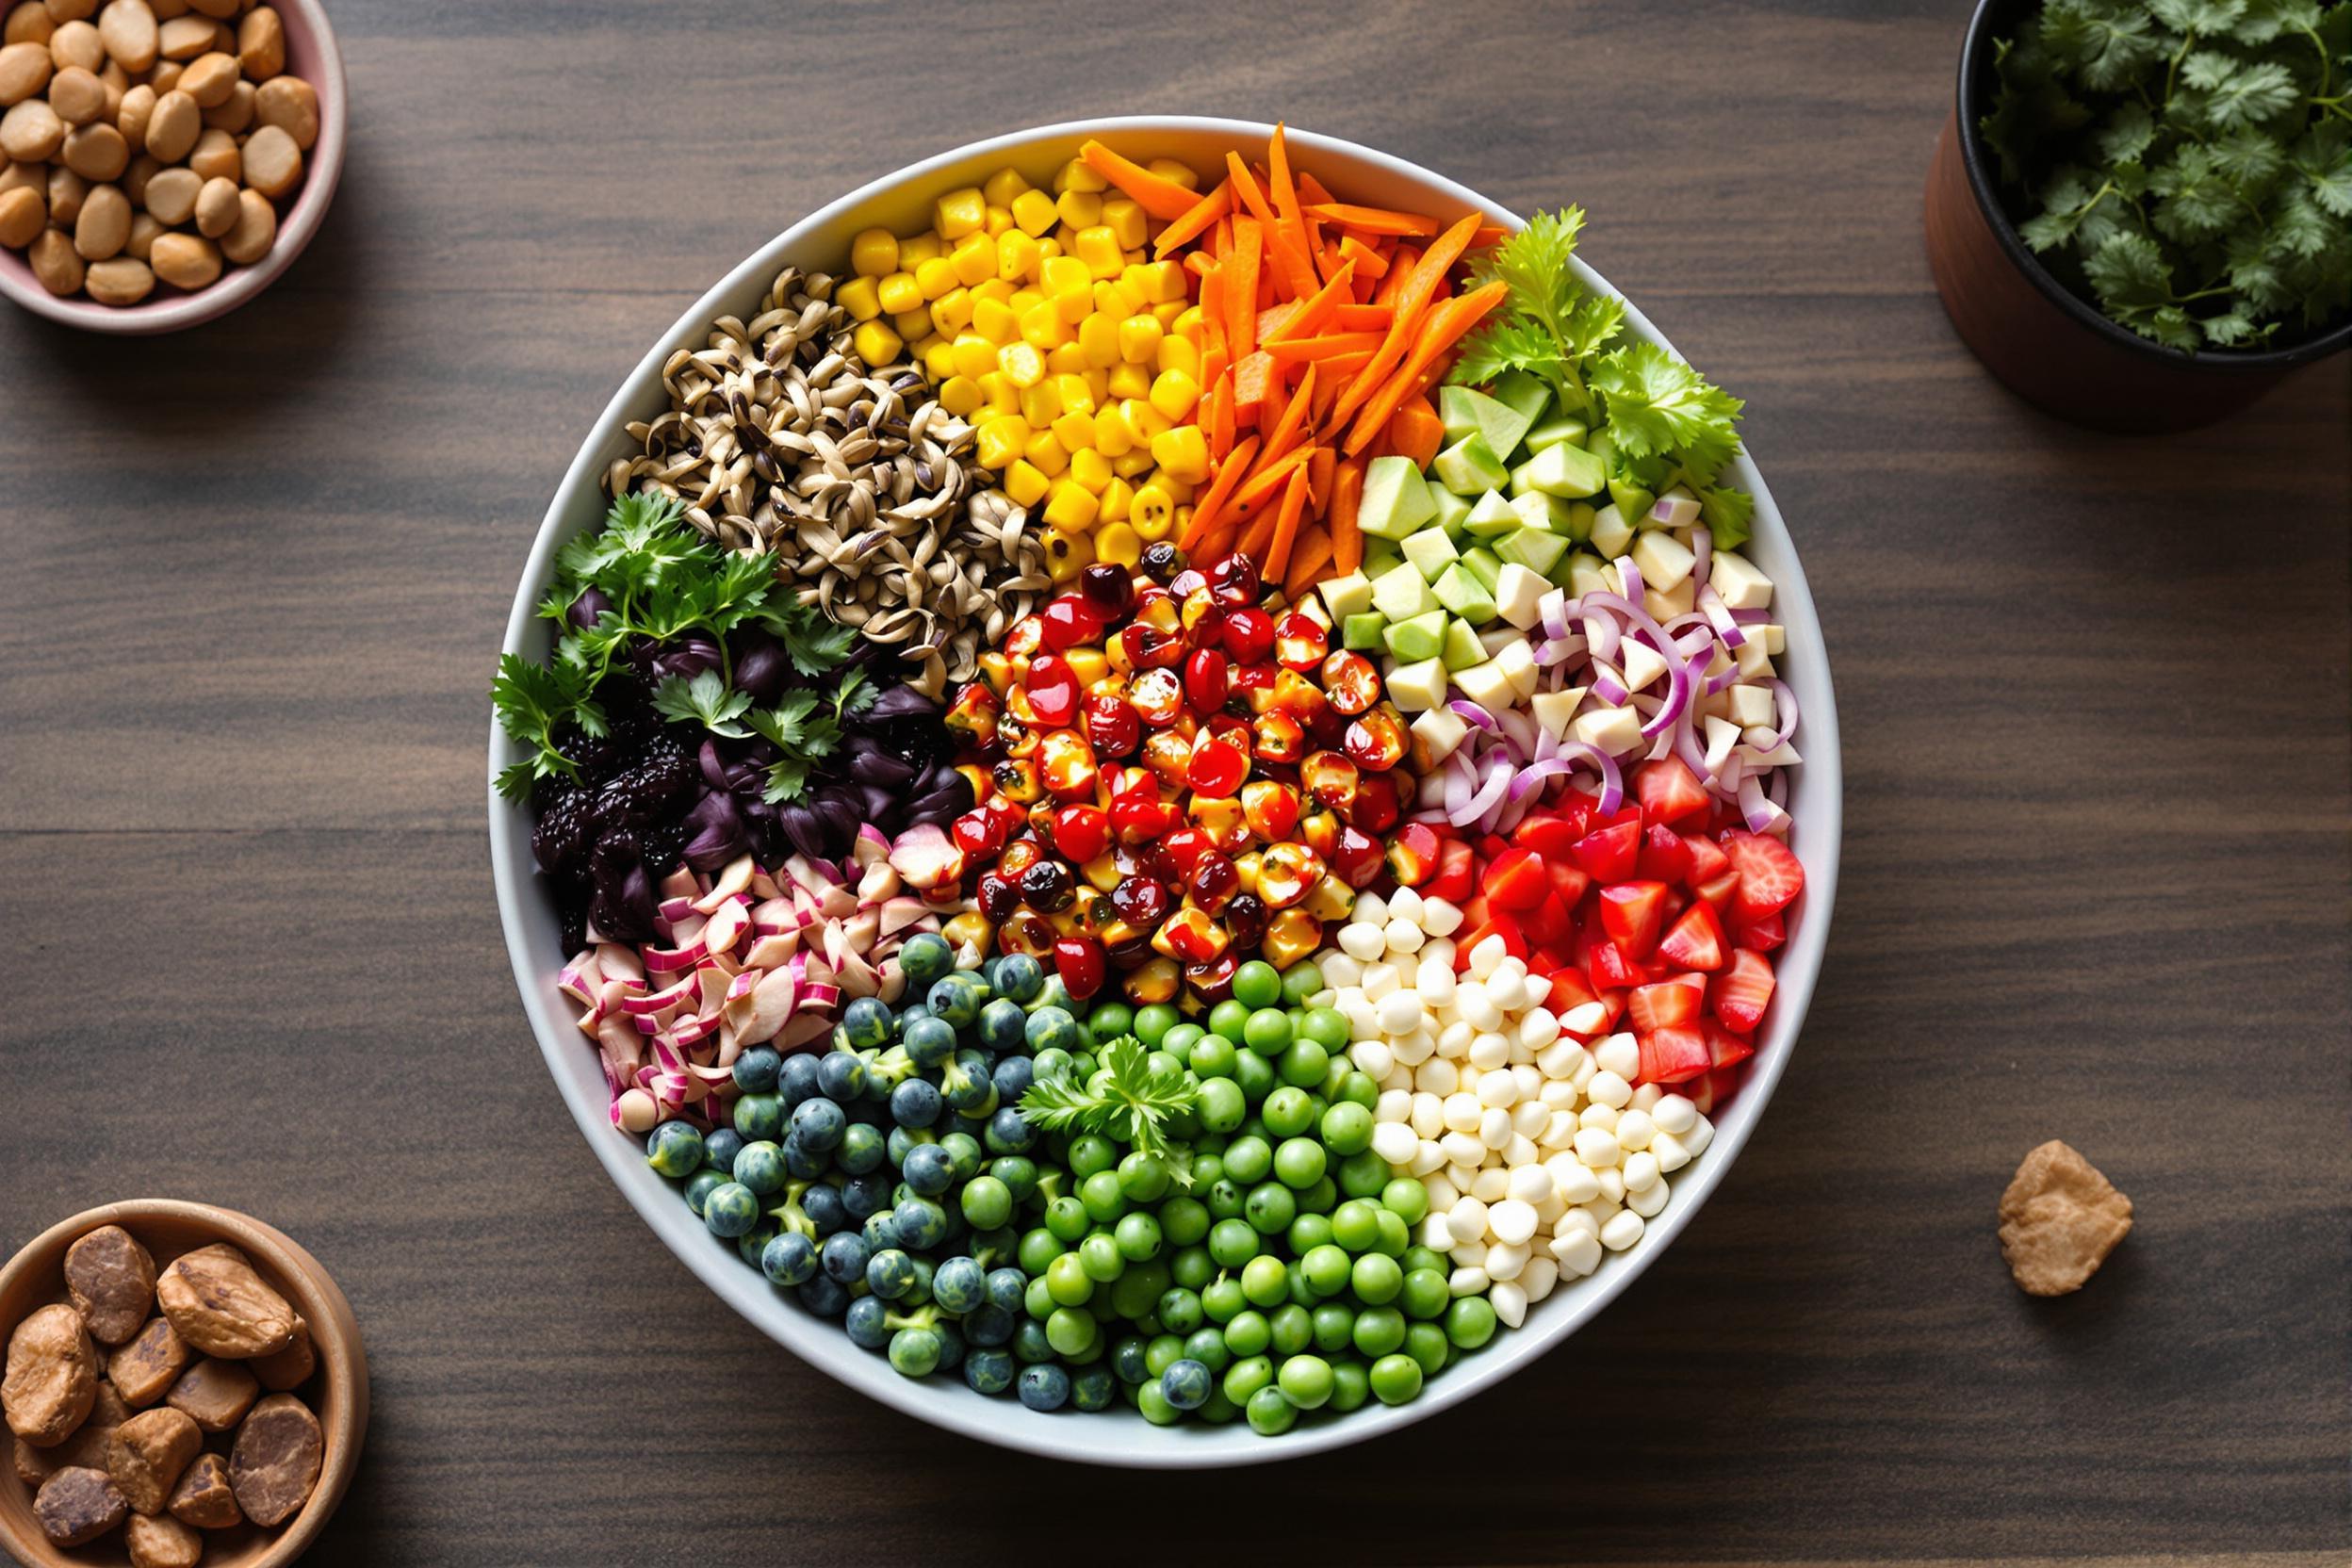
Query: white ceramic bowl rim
x,y
1125,1439
171,309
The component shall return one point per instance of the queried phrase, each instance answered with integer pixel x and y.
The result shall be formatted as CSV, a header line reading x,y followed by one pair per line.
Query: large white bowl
x,y
901,201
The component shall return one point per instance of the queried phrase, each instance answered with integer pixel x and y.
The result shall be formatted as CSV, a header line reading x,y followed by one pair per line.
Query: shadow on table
x,y
200,394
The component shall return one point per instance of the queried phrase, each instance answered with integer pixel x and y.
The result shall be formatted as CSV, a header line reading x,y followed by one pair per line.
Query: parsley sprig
x,y
1667,424
660,582
2185,163
1131,1106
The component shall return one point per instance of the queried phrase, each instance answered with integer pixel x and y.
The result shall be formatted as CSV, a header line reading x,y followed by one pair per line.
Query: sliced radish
x,y
827,997
729,920
648,1004
812,875
870,846
772,952
838,901
772,1003
927,857
763,886
880,881
898,914
807,1029
669,960
681,884
733,880
616,962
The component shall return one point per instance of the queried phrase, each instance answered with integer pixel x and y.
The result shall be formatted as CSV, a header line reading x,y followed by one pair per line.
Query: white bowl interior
x,y
821,243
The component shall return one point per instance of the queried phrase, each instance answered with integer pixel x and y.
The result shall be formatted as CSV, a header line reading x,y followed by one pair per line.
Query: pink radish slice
x,y
807,1029
772,1003
772,952
926,857
731,881
729,921
898,914
870,846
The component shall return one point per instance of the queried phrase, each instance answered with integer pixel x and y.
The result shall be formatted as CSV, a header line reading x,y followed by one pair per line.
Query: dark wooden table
x,y
2098,731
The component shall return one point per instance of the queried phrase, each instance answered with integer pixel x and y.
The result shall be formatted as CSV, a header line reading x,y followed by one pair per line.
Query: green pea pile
x,y
1265,1266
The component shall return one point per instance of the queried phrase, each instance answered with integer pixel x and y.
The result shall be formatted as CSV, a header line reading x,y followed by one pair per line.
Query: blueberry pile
x,y
879,1182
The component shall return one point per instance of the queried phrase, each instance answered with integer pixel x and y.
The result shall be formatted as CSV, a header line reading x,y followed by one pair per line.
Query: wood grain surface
x,y
2098,728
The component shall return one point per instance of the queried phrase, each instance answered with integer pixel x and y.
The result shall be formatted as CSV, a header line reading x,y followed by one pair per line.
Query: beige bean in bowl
x,y
211,137
208,1381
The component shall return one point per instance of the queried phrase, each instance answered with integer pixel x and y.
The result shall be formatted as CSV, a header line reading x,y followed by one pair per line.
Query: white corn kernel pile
x,y
1538,1152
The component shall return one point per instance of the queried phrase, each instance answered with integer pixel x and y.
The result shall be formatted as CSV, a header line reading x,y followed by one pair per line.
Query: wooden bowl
x,y
2043,341
311,53
338,1392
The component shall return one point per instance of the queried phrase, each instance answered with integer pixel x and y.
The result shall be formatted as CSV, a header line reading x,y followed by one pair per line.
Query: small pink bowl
x,y
310,54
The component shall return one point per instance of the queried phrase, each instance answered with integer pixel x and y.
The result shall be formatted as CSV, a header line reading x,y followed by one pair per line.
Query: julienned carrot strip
x,y
1239,287
1253,382
1161,197
1200,263
1428,276
1375,220
1400,265
1347,496
1319,468
1332,346
1292,423
1273,322
1415,430
1446,324
1195,220
1212,302
1369,262
1310,191
1214,363
1307,559
1247,190
1219,544
1363,318
1222,432
1260,487
1212,503
1489,233
1343,368
1307,319
1286,525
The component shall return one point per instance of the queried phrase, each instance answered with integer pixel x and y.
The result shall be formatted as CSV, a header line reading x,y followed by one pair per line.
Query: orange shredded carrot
x,y
1415,430
1161,197
1272,321
1364,318
1260,487
1310,191
1489,233
1286,525
1229,476
1257,534
1446,324
1212,302
1196,220
1292,423
1375,220
1331,346
1198,263
1247,190
1239,289
1253,381
1295,245
1219,544
1427,277
1370,263
1347,496
1400,265
1320,469
1307,559
1221,431
1308,316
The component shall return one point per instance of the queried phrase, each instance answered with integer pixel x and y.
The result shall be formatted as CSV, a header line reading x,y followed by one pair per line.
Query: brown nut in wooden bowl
x,y
323,1363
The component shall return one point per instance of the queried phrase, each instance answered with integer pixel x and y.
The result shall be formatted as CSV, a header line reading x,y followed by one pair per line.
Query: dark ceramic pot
x,y
2046,343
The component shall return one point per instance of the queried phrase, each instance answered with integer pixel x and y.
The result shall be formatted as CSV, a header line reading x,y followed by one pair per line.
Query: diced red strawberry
x,y
1707,859
1551,921
1674,1055
1457,872
1668,790
1721,891
1769,876
1726,1049
1569,990
1612,970
1744,990
1514,940
1660,1005
1609,853
1516,881
1695,940
1762,936
1568,881
1632,914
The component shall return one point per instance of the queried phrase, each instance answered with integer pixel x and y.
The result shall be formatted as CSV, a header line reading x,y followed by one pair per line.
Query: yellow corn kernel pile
x,y
1041,318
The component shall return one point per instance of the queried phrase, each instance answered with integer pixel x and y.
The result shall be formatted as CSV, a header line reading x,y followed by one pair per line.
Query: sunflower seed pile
x,y
779,439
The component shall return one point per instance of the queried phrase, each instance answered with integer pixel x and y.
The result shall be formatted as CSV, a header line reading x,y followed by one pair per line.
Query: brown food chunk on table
x,y
216,1393
282,1371
204,1496
276,1460
148,1456
112,1282
77,1505
145,1369
162,1541
2058,1220
51,1378
222,1307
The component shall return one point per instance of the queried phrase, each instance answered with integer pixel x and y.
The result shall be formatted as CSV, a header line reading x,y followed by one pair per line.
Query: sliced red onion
x,y
1532,777
1602,633
1677,698
1554,609
1605,685
1489,794
1519,730
1761,815
1464,709
1752,617
1720,614
1630,576
1786,702
1702,553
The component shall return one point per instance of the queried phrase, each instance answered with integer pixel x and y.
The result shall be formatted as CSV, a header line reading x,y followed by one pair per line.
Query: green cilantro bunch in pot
x,y
2140,212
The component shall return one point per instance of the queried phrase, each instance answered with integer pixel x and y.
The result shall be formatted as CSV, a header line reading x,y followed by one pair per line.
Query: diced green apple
x,y
1611,533
1484,564
1395,500
1442,730
1555,432
1363,633
1492,514
1461,592
1469,467
1418,687
1519,595
1563,470
1539,510
1452,512
1524,393
1430,551
1664,560
1418,638
1463,647
1401,593
1587,573
1345,596
1534,548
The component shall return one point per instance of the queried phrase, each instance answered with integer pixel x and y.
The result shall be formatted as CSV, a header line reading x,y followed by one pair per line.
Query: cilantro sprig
x,y
1667,424
658,581
1131,1104
2187,164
